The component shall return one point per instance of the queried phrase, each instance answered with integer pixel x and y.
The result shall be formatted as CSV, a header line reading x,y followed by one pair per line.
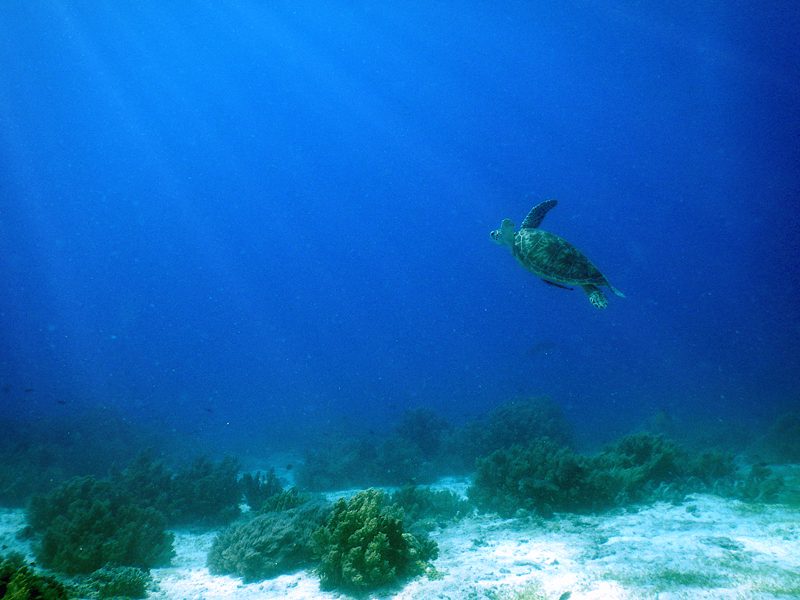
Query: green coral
x,y
364,546
85,524
19,581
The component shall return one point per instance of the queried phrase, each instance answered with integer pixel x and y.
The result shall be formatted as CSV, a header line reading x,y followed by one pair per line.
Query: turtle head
x,y
505,235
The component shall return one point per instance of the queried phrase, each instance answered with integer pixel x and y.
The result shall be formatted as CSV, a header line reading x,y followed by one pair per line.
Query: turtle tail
x,y
616,291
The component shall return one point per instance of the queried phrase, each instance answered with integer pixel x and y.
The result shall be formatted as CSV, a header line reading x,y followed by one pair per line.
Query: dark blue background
x,y
236,217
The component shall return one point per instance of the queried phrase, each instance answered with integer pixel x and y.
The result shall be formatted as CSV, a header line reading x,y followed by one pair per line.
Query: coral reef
x,y
118,582
629,470
338,463
424,446
545,477
542,477
269,544
204,493
364,546
259,487
284,500
781,443
36,454
424,508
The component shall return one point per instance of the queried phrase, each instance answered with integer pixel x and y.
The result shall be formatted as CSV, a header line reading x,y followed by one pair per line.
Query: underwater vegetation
x,y
110,530
781,443
86,523
269,544
116,582
517,422
427,509
544,477
20,581
37,454
257,488
423,447
203,492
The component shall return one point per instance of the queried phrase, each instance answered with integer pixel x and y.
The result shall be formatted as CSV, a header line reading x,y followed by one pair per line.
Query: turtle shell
x,y
554,259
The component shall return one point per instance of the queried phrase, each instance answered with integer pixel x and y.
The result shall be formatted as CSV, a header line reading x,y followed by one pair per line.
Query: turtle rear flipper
x,y
596,296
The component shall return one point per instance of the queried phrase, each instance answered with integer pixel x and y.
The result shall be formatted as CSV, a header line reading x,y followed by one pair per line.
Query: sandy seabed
x,y
703,547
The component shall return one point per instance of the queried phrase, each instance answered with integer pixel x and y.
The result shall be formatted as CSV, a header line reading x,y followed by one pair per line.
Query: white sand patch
x,y
706,547
188,577
12,520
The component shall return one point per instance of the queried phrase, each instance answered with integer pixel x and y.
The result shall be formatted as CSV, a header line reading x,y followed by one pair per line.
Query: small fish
x,y
28,390
289,467
544,347
61,402
558,285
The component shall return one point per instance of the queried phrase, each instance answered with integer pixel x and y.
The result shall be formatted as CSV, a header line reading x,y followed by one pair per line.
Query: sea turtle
x,y
552,258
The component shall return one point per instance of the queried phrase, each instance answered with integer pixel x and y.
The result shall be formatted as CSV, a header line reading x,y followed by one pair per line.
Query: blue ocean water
x,y
242,220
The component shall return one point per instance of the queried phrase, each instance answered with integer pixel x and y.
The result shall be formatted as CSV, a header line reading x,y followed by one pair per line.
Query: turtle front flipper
x,y
537,214
596,296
